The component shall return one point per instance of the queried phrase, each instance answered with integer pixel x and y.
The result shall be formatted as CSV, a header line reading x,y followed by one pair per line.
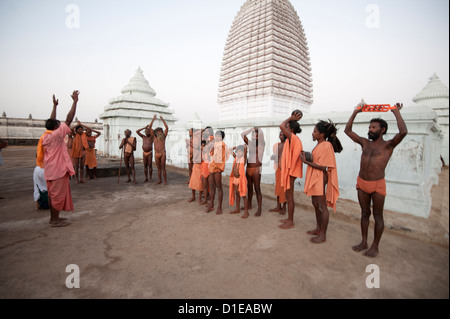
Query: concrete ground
x,y
147,241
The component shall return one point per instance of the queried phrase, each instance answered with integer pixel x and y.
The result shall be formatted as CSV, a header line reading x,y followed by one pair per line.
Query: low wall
x,y
28,131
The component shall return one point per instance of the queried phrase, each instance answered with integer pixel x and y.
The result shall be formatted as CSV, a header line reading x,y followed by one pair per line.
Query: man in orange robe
x,y
79,147
321,181
291,165
219,156
195,176
238,182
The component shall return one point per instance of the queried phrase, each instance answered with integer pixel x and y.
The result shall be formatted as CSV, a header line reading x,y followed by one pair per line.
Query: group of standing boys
x,y
156,138
208,154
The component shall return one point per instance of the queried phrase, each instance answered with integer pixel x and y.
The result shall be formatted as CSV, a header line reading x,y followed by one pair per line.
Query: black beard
x,y
373,136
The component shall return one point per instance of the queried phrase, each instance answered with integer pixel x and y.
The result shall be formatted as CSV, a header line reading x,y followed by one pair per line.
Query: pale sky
x,y
382,51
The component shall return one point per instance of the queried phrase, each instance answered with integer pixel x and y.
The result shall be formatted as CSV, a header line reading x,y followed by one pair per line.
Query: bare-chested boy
x,y
256,148
147,149
219,156
159,141
129,145
279,192
91,160
371,184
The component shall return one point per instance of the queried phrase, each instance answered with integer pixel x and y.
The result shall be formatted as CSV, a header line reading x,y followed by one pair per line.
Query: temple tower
x,y
266,70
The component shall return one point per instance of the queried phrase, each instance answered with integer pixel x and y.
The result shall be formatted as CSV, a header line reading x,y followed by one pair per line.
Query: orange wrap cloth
x,y
79,142
240,182
370,187
41,150
219,157
59,193
279,191
195,182
291,164
323,155
91,160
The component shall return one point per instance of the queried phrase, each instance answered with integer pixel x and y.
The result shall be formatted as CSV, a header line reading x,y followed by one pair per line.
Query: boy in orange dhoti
x,y
279,191
79,147
205,173
195,180
321,173
238,181
291,165
219,156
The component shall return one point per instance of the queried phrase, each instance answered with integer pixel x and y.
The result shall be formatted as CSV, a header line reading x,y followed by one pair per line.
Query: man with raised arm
x,y
256,148
371,183
159,142
58,165
147,149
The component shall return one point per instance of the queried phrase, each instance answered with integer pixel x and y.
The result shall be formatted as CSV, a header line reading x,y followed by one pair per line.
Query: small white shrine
x,y
133,110
435,96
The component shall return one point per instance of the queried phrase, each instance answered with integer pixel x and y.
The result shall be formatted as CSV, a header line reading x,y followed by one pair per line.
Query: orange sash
x,y
195,182
41,150
323,155
219,157
291,164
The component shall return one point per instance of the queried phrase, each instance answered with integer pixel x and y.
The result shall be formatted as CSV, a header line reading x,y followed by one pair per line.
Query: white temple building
x,y
266,69
133,110
435,96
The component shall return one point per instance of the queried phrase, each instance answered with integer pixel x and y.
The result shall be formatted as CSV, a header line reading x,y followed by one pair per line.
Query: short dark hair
x,y
77,127
329,129
52,124
158,129
383,124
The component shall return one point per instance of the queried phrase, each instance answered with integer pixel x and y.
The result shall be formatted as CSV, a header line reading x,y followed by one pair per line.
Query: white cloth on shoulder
x,y
39,181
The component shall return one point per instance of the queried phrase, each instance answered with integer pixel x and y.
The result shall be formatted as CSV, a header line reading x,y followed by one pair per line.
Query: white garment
x,y
39,181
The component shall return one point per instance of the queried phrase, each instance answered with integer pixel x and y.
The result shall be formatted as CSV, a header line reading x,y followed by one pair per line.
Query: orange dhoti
x,y
323,155
60,195
219,157
91,160
80,143
253,171
279,191
195,182
370,187
291,164
238,182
